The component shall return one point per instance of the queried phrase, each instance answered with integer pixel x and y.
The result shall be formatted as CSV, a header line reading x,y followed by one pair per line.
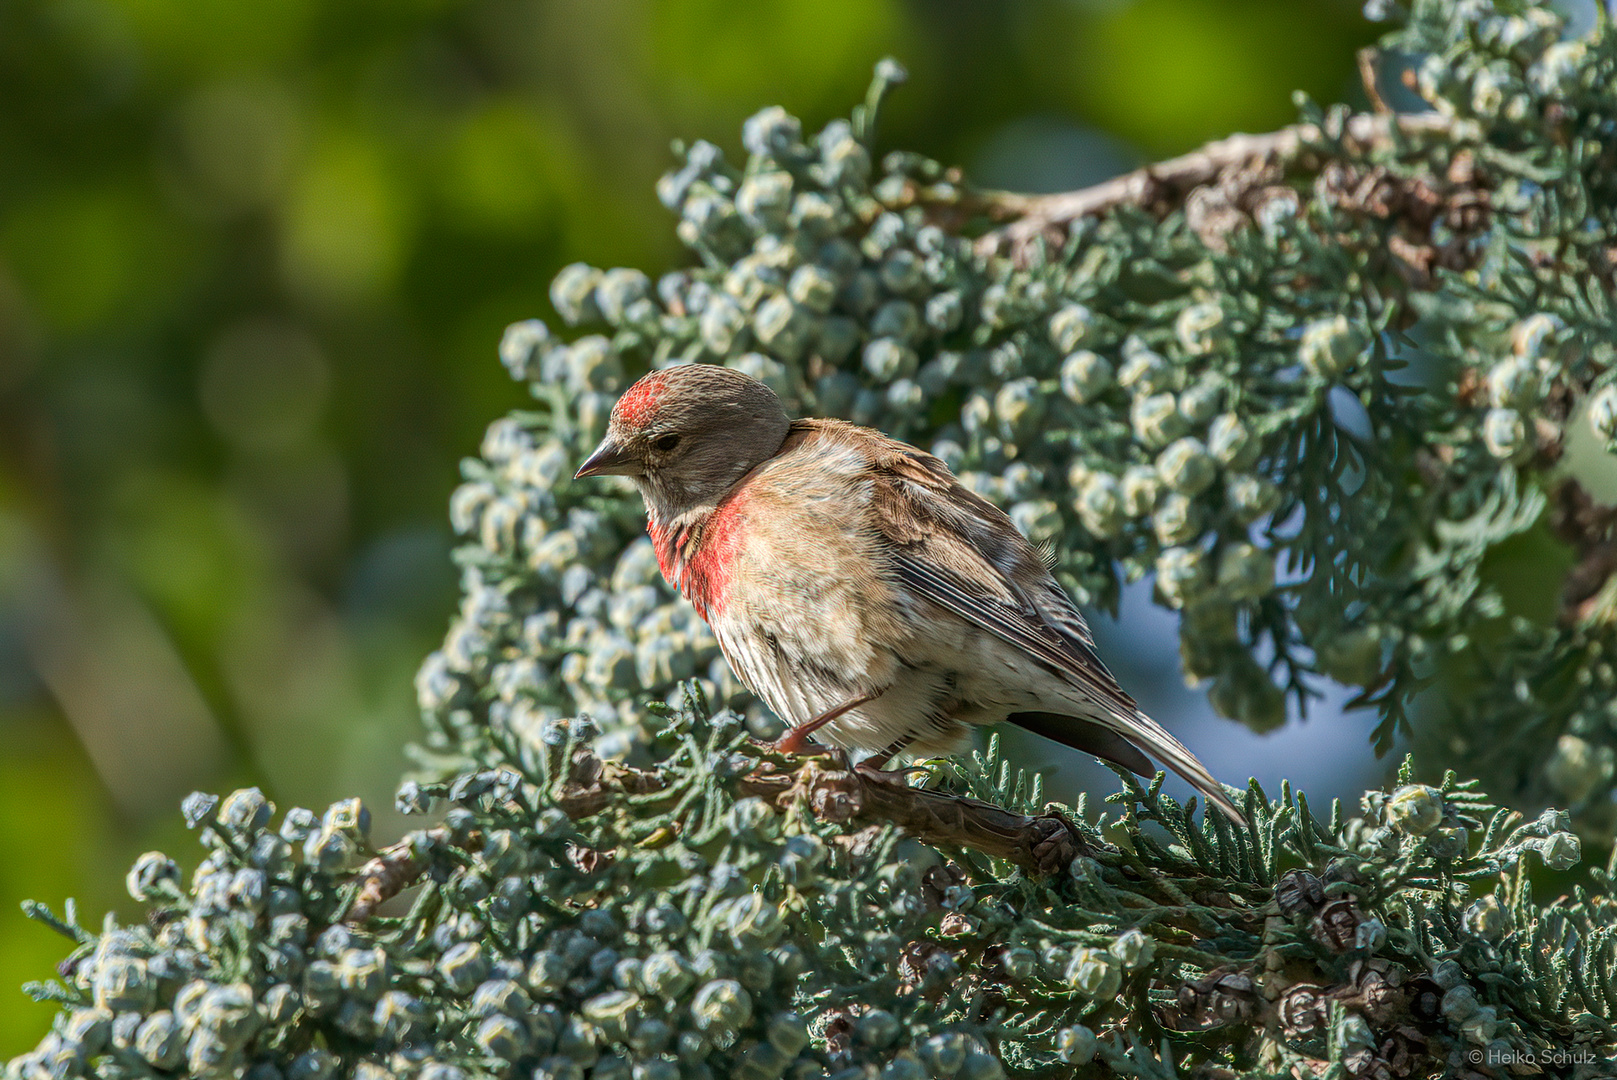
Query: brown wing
x,y
962,553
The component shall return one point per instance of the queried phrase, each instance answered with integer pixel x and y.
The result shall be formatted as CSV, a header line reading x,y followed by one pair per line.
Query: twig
x,y
592,784
1168,183
1371,79
394,869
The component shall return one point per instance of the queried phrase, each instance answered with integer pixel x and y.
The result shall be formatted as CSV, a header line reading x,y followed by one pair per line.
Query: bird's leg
x,y
878,762
796,740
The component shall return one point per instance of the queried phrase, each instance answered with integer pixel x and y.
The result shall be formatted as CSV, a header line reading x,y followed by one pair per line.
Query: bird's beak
x,y
609,459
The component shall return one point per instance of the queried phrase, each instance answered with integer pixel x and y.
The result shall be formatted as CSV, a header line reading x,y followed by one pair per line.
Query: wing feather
x,y
962,553
1066,654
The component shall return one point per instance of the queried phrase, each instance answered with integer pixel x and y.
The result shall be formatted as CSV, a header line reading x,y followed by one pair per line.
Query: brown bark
x,y
1247,159
1044,844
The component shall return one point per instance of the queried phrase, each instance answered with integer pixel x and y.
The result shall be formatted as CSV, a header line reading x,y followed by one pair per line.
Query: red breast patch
x,y
700,560
712,564
664,545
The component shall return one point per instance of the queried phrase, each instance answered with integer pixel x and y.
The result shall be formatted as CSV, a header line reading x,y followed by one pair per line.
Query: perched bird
x,y
857,587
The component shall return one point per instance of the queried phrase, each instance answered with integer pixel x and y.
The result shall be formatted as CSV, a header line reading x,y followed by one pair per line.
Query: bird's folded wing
x,y
1024,629
961,552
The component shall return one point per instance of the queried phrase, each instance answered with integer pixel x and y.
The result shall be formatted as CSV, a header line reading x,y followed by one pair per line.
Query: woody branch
x,y
852,796
1167,184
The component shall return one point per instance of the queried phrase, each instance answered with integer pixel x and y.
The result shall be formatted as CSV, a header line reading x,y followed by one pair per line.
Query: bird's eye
x,y
665,443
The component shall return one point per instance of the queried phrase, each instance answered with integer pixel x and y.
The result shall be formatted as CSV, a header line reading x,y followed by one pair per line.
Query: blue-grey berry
x,y
815,214
1100,505
298,824
1330,347
1019,407
198,808
1156,420
1250,497
1076,1045
617,290
1085,376
1133,949
153,876
464,966
1143,371
1504,433
611,1012
1181,575
900,271
1199,325
1245,573
944,311
772,132
572,294
1186,467
1415,809
814,287
1141,487
1603,413
245,810
896,319
1200,402
1488,918
1560,850
1231,444
1071,326
765,199
783,327
721,1008
843,158
722,321
1513,383
887,359
1094,973
502,1037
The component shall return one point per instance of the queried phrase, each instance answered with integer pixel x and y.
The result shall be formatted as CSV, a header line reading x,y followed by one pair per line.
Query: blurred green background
x,y
255,259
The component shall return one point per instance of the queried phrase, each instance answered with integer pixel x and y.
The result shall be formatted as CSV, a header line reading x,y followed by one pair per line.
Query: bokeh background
x,y
255,259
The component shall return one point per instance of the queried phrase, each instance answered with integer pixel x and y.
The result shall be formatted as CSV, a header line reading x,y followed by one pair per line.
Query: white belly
x,y
931,695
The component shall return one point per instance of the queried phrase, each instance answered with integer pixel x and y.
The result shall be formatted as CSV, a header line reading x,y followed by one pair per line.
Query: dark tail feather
x,y
1087,736
1108,743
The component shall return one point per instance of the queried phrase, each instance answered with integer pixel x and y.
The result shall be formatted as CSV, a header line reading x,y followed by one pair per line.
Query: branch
x,y
1042,845
1370,76
1045,844
590,786
1168,183
394,869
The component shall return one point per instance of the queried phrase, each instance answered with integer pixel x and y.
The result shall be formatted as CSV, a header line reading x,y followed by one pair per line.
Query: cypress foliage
x,y
1320,383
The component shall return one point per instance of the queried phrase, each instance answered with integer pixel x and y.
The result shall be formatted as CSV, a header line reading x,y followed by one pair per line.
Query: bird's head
x,y
686,434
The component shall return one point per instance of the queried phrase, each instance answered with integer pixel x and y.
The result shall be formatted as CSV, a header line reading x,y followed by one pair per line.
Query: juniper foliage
x,y
1312,382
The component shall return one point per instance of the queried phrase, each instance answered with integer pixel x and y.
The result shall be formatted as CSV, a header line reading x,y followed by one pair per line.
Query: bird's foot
x,y
796,739
795,744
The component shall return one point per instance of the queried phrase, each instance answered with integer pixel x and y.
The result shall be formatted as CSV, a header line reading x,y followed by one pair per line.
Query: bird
x,y
869,598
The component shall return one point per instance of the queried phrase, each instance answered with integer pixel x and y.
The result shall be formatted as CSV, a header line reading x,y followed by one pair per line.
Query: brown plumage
x,y
858,588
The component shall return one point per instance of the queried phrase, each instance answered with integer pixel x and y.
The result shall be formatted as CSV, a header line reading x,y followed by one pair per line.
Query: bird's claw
x,y
795,745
